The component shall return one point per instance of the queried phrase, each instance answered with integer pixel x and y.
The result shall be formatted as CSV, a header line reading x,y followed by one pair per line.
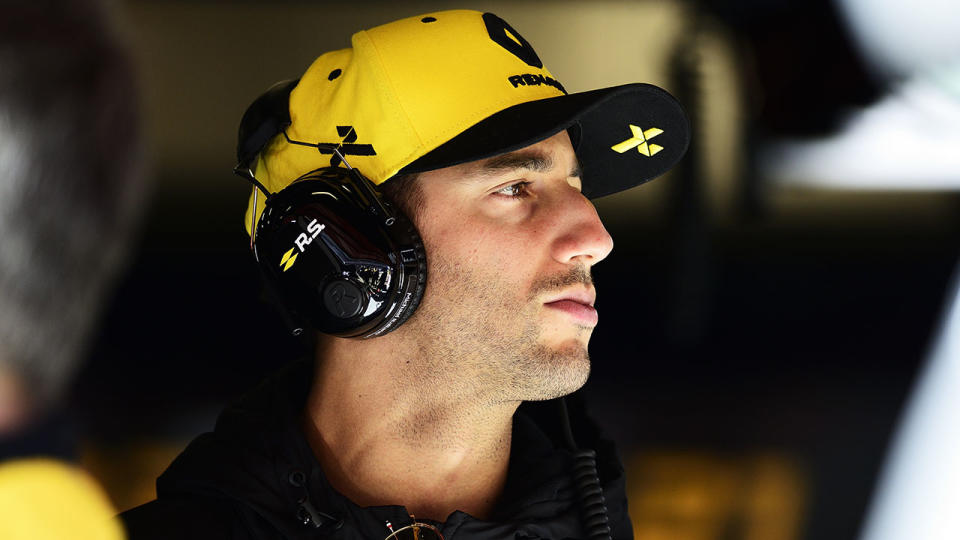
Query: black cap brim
x,y
604,118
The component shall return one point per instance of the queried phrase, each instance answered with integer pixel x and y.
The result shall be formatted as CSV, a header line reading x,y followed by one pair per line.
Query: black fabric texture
x,y
604,117
254,474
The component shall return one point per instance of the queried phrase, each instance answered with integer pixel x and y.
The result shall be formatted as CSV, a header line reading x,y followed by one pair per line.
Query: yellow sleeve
x,y
44,499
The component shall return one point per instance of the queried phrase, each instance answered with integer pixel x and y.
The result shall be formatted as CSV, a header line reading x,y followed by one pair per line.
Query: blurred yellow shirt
x,y
44,499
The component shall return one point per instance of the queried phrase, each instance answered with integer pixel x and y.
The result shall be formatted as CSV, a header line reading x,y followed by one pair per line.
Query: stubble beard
x,y
475,336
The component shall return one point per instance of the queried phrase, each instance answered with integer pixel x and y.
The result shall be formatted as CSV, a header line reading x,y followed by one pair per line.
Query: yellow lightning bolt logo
x,y
288,259
639,141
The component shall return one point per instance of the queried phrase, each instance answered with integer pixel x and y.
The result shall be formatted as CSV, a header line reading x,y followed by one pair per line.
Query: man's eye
x,y
514,191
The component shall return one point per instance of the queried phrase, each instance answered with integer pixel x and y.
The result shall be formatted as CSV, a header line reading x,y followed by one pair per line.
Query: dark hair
x,y
405,193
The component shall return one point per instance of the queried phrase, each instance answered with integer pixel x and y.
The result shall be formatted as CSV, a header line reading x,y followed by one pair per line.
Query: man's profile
x,y
421,200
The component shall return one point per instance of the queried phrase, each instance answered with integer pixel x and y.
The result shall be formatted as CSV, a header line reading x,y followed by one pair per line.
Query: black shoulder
x,y
186,518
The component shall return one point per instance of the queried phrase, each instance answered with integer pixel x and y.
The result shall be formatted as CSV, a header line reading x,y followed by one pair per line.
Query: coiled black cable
x,y
593,507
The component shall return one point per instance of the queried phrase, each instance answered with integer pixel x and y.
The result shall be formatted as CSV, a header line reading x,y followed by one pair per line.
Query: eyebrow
x,y
530,160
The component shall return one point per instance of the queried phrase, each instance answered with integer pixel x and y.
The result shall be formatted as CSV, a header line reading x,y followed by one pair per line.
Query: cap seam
x,y
443,135
392,88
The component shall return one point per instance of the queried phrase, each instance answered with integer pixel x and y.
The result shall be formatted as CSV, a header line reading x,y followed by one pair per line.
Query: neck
x,y
389,428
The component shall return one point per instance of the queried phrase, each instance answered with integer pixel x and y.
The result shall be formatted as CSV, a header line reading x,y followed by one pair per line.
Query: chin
x,y
560,371
578,370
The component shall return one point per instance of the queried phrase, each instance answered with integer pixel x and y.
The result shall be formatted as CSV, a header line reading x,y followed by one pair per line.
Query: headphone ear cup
x,y
338,262
416,282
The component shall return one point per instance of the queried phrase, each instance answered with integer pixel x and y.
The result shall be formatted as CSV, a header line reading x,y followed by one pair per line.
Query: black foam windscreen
x,y
267,116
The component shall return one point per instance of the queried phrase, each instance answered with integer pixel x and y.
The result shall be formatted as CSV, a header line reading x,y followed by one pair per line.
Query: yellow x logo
x,y
639,141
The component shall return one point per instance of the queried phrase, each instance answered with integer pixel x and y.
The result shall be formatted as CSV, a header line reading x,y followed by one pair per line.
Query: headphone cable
x,y
593,508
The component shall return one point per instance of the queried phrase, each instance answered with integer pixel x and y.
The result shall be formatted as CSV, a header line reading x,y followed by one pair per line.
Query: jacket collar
x,y
258,457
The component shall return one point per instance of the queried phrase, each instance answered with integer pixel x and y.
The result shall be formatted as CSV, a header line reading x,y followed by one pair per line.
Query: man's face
x,y
507,312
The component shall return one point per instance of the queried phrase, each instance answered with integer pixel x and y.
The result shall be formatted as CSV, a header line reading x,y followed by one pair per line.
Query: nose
x,y
581,237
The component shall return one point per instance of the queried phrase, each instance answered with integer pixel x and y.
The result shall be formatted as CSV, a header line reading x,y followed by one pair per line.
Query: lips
x,y
577,305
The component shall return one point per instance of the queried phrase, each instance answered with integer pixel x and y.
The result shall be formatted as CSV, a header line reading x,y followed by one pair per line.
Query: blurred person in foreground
x,y
422,201
70,192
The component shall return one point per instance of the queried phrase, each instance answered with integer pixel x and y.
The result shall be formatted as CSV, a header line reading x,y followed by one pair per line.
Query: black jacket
x,y
255,476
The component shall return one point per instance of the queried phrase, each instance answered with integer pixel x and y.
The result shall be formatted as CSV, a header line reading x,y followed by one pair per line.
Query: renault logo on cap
x,y
639,141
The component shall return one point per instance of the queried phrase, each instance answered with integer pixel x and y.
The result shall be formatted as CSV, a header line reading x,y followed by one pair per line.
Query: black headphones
x,y
337,255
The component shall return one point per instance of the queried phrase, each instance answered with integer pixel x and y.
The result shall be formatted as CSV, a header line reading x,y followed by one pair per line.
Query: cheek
x,y
487,249
460,242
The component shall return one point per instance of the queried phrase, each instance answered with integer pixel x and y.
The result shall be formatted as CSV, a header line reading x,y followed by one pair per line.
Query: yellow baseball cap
x,y
449,87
